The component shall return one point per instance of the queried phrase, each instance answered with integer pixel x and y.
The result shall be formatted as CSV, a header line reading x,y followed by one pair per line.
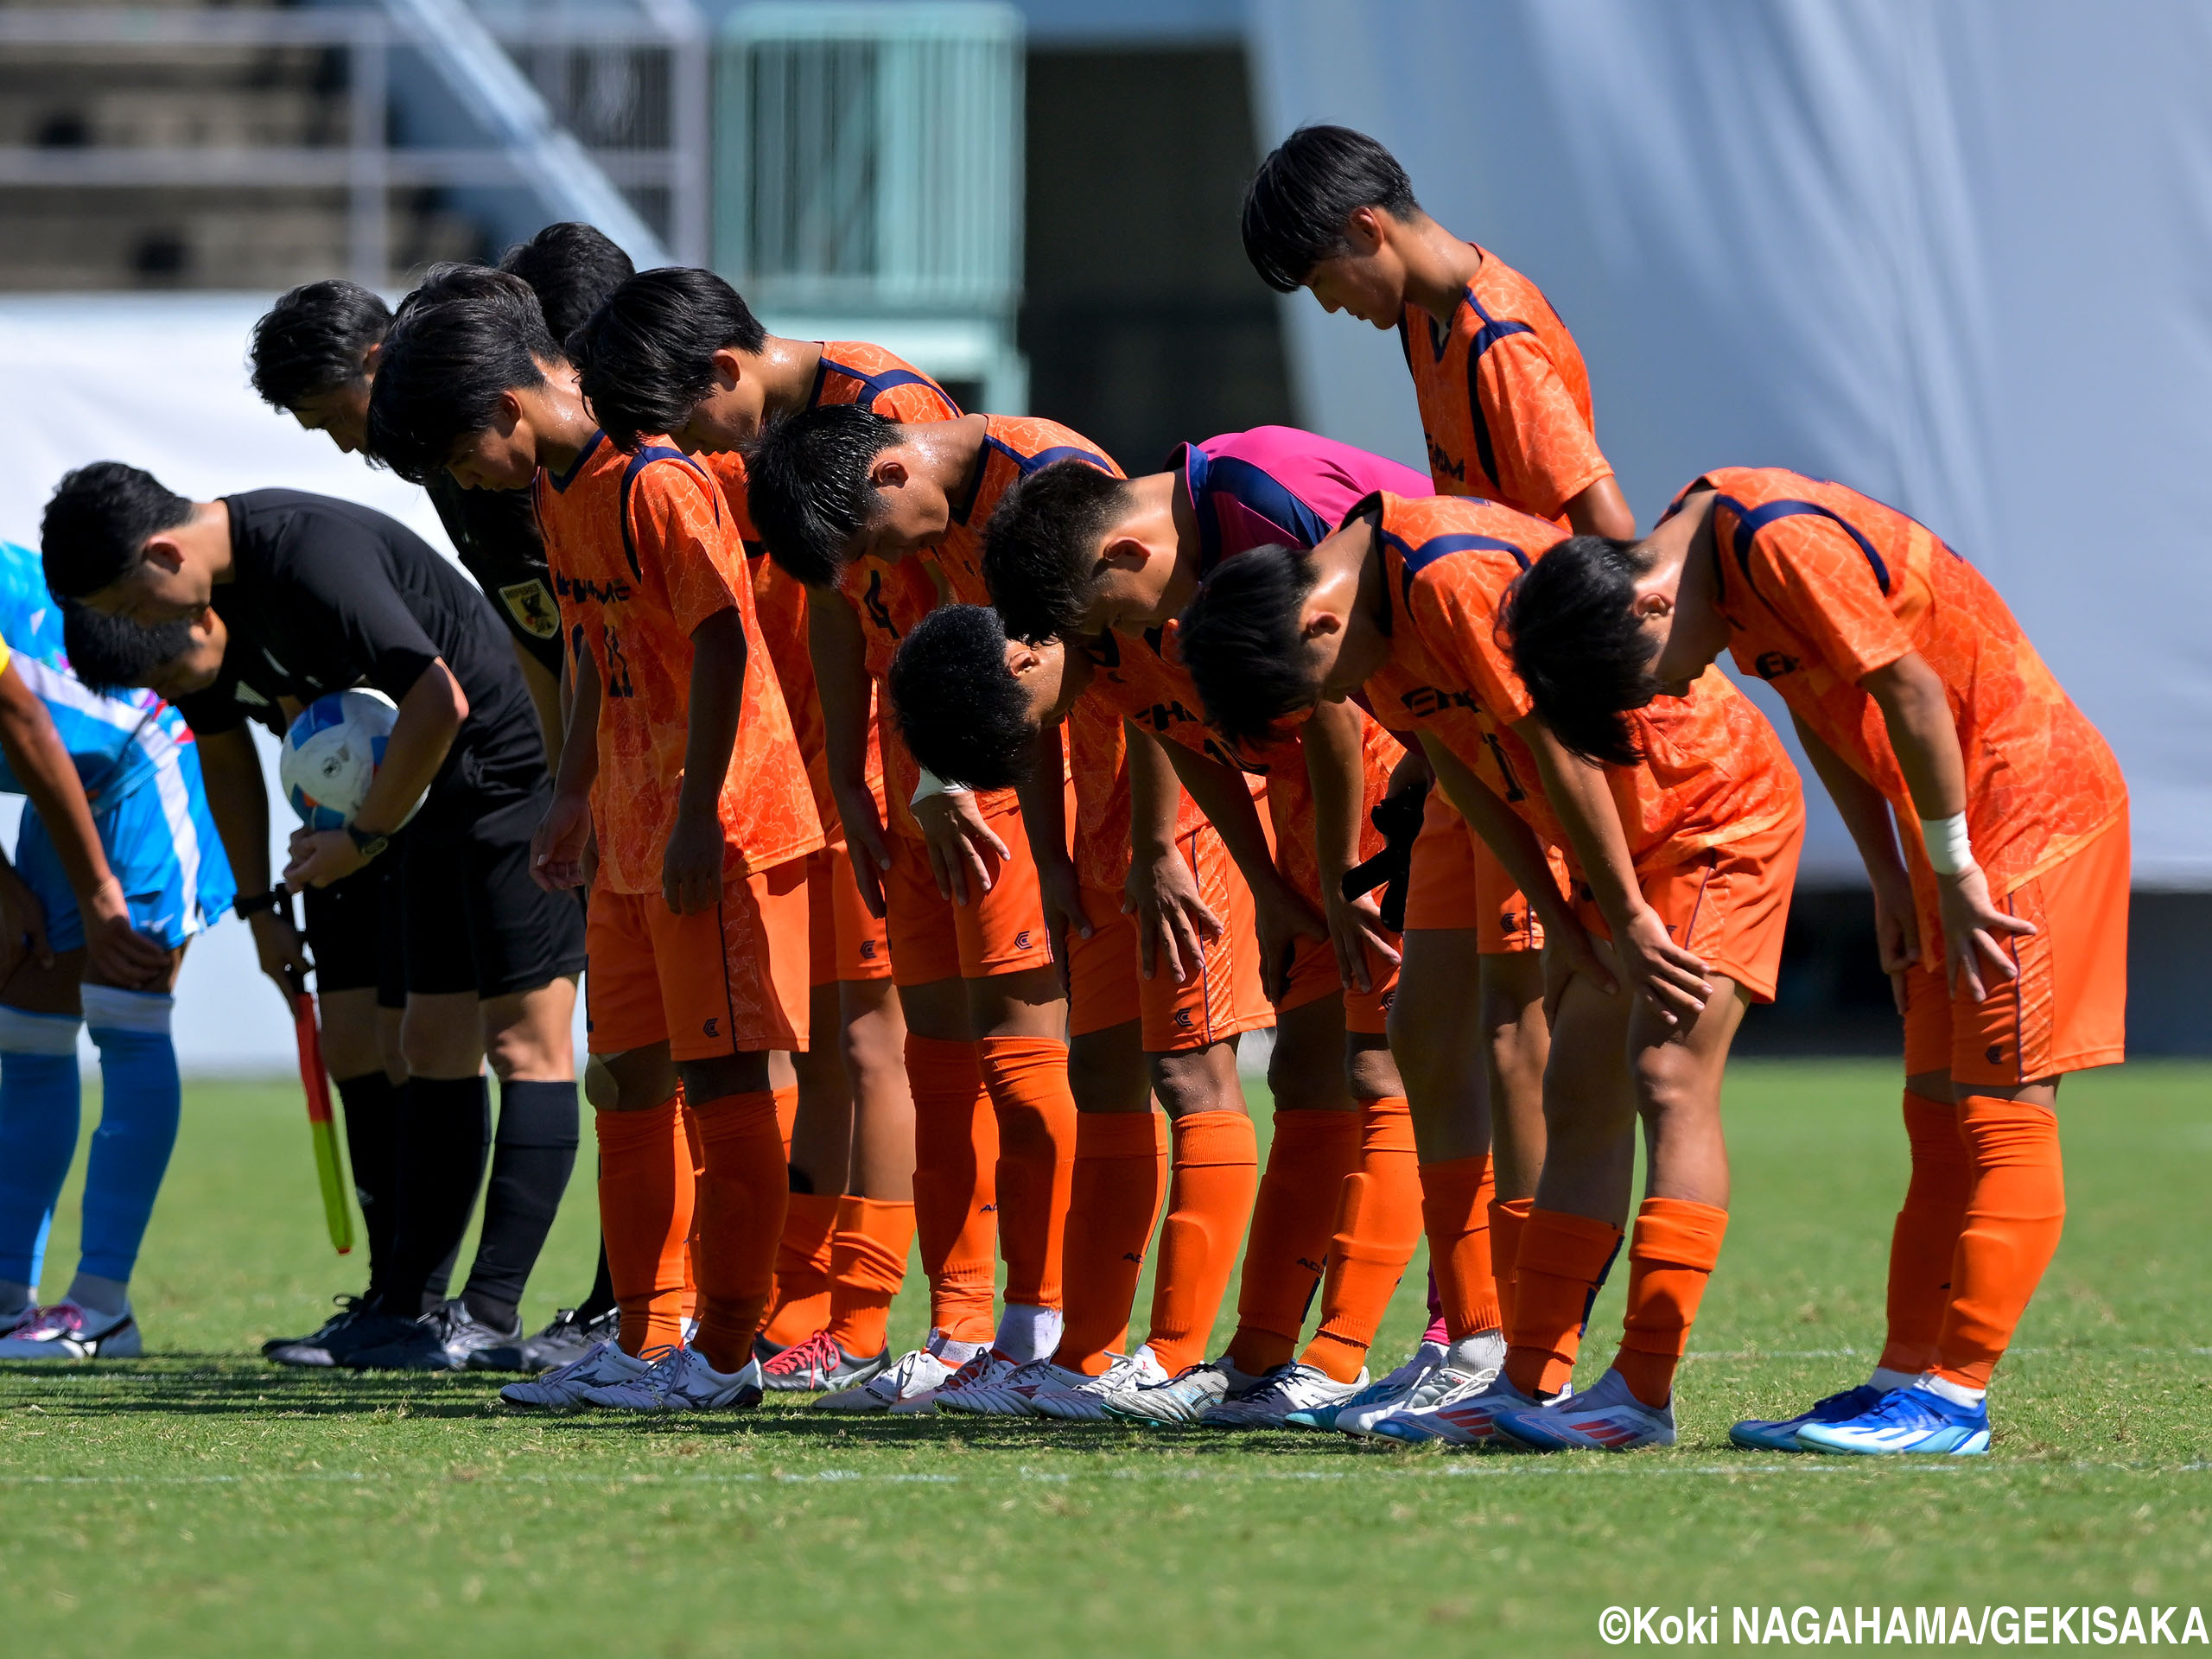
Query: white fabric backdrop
x,y
161,382
1957,256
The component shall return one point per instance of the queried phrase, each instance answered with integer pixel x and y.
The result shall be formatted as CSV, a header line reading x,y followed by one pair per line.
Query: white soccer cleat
x,y
1012,1394
1294,1387
561,1388
1183,1398
66,1333
1359,1415
1394,1386
983,1368
1463,1417
1607,1418
682,1381
1084,1400
909,1376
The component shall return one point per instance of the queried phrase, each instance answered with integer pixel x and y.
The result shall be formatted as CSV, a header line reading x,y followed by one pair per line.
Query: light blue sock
x,y
38,1134
140,1097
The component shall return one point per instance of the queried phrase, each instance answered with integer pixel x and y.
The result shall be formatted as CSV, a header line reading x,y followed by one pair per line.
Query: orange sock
x,y
645,1195
1284,1259
800,1304
698,1154
1669,1259
1119,1179
741,1200
867,1264
1508,1219
1456,1197
2014,1216
1209,1203
1563,1260
1926,1237
1378,1226
956,1185
787,1117
1027,1077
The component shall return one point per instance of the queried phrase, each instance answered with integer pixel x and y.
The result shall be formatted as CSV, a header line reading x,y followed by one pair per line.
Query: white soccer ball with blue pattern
x,y
331,755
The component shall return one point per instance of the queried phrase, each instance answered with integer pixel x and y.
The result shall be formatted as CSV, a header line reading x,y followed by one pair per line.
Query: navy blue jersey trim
x,y
639,462
1493,330
1255,488
1751,520
1026,465
878,384
560,481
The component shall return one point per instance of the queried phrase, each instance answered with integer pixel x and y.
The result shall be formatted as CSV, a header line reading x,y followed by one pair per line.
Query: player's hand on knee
x,y
869,853
116,952
1162,894
1283,918
1569,951
1976,934
1356,930
1897,929
1670,977
961,844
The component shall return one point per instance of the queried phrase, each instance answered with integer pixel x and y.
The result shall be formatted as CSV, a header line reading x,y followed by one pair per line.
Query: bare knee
x,y
1106,1071
1198,1080
636,1080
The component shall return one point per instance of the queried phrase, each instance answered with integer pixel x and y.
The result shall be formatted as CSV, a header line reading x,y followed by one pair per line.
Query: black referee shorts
x,y
472,919
353,934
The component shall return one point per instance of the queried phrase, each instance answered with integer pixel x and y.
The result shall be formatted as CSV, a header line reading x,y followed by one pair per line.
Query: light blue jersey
x,y
140,771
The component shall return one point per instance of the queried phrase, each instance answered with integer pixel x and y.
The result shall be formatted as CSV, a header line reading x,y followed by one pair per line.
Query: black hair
x,y
468,334
1239,636
959,707
1569,620
572,268
807,484
96,523
112,654
646,358
1040,552
313,339
1296,205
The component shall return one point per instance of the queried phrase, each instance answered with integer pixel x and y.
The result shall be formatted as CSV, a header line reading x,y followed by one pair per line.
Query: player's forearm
x,y
840,654
1043,799
238,799
1602,509
1923,733
1221,792
546,697
579,766
1502,829
1155,795
430,716
1579,794
1336,766
49,778
1865,809
719,650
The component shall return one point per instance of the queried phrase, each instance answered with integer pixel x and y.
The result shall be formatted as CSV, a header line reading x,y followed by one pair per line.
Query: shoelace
x,y
977,1365
575,1368
812,1358
1900,1409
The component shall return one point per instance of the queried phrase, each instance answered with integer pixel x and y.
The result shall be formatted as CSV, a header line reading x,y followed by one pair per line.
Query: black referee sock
x,y
446,1128
531,1161
372,1108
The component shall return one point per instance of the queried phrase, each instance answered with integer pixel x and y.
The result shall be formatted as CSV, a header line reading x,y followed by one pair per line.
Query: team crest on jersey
x,y
532,608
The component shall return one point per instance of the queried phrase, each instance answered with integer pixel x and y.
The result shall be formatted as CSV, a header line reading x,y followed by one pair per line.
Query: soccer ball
x,y
331,755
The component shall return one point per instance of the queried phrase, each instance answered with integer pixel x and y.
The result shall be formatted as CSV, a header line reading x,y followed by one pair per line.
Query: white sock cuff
x,y
107,1008
1028,1332
1957,1393
23,1031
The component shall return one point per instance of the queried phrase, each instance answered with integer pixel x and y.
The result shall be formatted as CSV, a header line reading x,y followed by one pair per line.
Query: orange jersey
x,y
853,371
643,549
1504,399
889,599
1714,771
1821,586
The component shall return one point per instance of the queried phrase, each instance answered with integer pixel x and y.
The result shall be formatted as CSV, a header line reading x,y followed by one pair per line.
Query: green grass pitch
x,y
200,1502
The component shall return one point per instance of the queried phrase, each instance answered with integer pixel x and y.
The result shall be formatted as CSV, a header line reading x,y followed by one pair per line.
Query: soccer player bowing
x,y
2003,923
1690,847
286,596
681,767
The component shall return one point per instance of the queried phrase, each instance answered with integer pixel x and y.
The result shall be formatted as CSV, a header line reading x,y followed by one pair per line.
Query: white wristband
x,y
932,785
1949,852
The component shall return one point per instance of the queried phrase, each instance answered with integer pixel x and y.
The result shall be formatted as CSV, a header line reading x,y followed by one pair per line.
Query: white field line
x,y
1507,1467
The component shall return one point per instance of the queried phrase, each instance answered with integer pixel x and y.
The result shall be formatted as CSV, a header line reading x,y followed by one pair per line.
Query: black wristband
x,y
247,906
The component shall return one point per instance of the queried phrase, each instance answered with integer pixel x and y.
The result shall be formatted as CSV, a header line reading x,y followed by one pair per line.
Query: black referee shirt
x,y
495,533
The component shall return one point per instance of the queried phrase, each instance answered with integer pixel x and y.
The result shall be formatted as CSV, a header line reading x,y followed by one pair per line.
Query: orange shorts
x,y
1313,975
726,980
1729,904
1107,987
2067,1009
843,941
1458,883
1002,933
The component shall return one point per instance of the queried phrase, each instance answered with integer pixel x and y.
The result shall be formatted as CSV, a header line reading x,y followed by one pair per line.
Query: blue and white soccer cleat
x,y
1780,1434
1607,1418
1906,1419
1467,1419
